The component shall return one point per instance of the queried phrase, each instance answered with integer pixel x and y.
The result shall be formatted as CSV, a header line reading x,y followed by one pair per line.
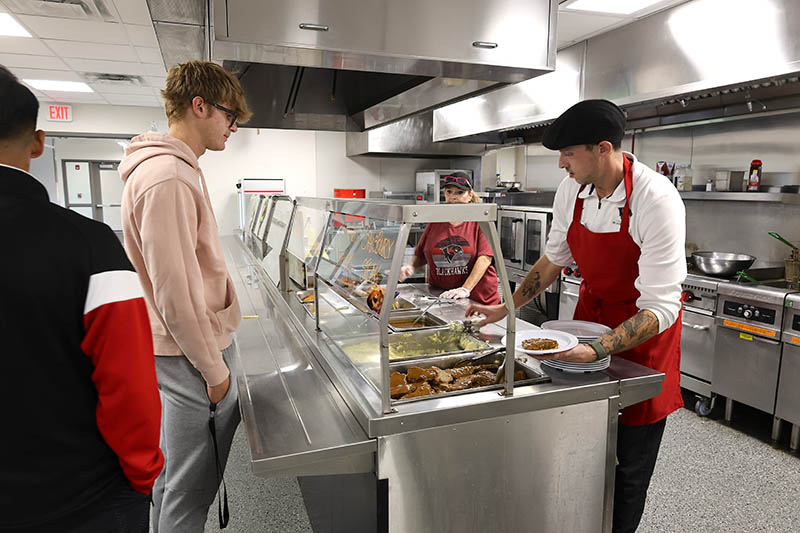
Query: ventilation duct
x,y
70,9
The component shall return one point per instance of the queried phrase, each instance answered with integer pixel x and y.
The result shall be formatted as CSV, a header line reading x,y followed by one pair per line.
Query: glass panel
x,y
282,212
252,205
113,217
79,188
533,241
83,210
261,223
110,187
356,261
307,228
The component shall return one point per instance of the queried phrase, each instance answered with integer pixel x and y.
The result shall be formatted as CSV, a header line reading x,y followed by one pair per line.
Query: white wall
x,y
105,119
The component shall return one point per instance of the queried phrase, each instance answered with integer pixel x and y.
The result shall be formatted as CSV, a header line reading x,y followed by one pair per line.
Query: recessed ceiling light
x,y
62,86
9,27
617,7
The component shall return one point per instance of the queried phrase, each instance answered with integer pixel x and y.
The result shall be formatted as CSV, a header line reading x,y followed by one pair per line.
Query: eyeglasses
x,y
229,114
457,179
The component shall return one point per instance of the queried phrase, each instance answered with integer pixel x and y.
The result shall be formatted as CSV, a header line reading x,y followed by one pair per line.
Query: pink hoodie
x,y
172,239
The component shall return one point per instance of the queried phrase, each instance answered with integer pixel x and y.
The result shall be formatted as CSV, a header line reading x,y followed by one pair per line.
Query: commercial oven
x,y
787,405
747,350
569,291
523,238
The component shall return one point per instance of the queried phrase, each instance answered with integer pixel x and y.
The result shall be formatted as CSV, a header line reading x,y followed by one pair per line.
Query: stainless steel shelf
x,y
780,198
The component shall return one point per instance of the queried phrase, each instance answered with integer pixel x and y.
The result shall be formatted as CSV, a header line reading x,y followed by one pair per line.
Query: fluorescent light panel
x,y
60,86
9,27
616,7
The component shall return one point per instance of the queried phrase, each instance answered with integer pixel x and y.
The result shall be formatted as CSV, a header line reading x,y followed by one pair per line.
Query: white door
x,y
79,183
111,195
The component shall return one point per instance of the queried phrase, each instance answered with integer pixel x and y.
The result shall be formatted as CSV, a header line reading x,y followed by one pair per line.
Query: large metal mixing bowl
x,y
721,263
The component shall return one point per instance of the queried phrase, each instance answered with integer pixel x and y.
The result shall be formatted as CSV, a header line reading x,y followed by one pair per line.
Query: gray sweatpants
x,y
188,483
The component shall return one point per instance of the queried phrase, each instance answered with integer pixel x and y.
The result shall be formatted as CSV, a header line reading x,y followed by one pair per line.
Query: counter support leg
x,y
794,442
776,428
728,410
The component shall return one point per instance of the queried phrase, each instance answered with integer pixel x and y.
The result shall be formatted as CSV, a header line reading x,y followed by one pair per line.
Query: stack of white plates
x,y
577,368
583,330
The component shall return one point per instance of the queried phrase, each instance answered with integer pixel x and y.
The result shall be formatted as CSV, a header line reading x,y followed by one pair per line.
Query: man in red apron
x,y
624,226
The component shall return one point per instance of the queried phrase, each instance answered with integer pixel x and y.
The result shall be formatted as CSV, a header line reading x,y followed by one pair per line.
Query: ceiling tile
x,y
121,88
76,98
132,99
155,70
40,74
107,67
578,26
35,62
149,55
75,30
142,35
112,52
156,81
133,11
24,45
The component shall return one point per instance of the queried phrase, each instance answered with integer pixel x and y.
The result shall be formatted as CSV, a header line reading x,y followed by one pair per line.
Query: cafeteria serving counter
x,y
540,458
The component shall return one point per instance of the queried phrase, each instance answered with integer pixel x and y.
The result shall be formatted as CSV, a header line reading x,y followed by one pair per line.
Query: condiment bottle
x,y
754,175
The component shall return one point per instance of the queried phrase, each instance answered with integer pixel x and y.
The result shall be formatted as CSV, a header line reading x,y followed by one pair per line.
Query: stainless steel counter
x,y
542,458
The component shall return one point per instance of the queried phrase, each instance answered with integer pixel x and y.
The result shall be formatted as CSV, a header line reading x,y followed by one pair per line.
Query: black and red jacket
x,y
81,410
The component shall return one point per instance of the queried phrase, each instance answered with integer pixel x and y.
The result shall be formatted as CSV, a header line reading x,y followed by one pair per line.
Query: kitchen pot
x,y
722,264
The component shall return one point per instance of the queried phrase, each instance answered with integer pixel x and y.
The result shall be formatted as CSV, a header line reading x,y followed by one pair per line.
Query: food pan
x,y
302,295
405,321
412,345
532,376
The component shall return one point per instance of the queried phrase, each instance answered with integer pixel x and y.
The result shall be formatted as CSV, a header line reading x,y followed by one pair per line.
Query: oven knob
x,y
577,273
567,271
687,296
739,310
747,313
756,313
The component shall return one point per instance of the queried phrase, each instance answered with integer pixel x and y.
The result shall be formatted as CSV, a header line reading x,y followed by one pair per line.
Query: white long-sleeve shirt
x,y
657,226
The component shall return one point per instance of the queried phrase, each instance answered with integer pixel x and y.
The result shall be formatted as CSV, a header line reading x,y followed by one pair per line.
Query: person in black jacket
x,y
79,451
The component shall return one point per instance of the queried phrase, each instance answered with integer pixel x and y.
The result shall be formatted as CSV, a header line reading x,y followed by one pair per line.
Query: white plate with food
x,y
542,341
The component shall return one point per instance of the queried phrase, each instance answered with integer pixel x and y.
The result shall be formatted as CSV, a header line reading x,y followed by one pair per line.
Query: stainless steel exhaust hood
x,y
703,60
354,64
408,137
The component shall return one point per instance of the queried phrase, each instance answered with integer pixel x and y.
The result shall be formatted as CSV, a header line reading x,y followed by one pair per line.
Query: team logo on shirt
x,y
451,256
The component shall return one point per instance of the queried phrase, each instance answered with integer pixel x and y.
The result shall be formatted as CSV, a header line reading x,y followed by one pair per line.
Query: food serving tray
x,y
532,375
405,320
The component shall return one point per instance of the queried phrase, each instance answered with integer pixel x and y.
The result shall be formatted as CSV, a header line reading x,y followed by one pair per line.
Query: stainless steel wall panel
x,y
563,449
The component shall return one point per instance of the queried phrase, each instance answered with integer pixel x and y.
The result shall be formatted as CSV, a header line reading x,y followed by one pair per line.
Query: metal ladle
x,y
437,300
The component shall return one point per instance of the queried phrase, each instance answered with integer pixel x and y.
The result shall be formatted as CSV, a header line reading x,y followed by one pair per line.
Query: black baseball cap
x,y
587,122
457,179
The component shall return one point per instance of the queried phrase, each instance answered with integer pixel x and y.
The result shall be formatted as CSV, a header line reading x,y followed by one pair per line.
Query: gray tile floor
x,y
709,478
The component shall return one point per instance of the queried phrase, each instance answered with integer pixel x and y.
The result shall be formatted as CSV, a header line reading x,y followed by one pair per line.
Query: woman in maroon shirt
x,y
459,257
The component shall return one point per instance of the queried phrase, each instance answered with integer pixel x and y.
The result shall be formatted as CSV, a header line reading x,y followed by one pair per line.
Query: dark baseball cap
x,y
587,122
457,179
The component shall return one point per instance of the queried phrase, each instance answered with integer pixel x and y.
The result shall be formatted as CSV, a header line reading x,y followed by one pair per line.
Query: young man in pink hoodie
x,y
172,240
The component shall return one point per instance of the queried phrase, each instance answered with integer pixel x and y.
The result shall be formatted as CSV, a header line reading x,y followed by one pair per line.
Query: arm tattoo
x,y
633,332
532,284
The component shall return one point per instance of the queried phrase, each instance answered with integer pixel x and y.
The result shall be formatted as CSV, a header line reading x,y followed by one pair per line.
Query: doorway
x,y
94,189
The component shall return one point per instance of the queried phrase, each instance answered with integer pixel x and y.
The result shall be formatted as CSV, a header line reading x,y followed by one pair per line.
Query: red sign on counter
x,y
59,113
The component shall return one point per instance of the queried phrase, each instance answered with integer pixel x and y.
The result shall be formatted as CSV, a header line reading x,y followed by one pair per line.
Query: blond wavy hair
x,y
207,80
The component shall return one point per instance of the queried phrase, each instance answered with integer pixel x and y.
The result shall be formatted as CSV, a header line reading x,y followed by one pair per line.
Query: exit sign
x,y
59,113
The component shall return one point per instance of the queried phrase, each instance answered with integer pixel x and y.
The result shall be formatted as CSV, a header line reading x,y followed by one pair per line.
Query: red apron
x,y
609,264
